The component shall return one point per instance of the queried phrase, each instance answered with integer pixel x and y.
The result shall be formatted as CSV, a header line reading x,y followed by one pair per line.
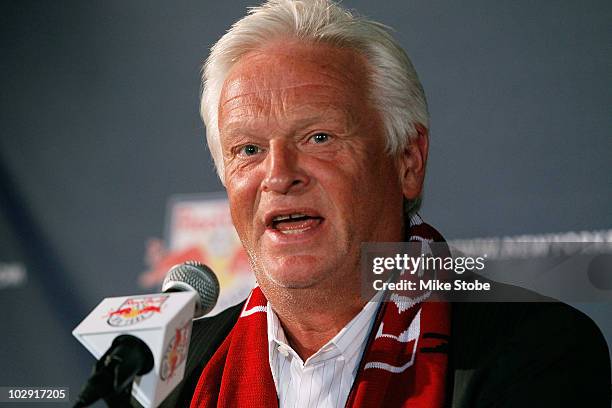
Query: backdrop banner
x,y
199,227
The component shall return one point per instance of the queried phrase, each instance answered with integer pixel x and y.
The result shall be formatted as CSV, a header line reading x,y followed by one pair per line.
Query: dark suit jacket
x,y
530,354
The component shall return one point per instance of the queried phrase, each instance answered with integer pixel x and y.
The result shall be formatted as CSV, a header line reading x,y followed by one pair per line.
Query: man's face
x,y
306,171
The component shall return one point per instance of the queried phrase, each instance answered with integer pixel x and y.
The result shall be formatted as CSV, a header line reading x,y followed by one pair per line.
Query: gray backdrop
x,y
100,125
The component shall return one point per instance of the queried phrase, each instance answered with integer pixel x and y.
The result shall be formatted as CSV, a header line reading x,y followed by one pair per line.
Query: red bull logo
x,y
176,352
135,310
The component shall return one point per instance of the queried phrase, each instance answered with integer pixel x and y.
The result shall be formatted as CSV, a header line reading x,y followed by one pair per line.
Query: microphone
x,y
194,276
143,340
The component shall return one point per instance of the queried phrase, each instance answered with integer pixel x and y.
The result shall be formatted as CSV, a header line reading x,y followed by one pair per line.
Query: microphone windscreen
x,y
194,276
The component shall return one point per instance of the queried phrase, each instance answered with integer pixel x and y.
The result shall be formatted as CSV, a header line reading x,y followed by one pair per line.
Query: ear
x,y
412,162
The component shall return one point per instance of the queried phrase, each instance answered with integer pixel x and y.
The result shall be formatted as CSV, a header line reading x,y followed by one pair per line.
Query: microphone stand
x,y
114,373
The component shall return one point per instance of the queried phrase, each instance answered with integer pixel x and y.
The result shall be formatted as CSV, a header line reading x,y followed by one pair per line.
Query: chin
x,y
295,272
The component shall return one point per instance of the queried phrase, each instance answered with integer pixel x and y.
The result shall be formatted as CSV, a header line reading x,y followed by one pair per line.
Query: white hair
x,y
394,85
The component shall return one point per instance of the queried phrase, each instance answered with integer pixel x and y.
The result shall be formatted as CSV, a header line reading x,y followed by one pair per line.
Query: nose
x,y
283,172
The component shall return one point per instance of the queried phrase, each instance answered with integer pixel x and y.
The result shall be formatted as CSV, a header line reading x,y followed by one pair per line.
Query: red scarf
x,y
404,363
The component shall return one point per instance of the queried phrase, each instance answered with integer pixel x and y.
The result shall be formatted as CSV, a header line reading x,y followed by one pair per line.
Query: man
x,y
318,126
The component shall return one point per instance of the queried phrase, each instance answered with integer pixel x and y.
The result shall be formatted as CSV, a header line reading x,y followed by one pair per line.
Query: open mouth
x,y
294,223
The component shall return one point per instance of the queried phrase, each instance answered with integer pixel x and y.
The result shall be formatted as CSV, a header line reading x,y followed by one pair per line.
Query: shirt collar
x,y
345,343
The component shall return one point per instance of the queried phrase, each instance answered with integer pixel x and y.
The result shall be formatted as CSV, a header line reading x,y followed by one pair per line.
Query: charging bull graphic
x,y
135,310
176,351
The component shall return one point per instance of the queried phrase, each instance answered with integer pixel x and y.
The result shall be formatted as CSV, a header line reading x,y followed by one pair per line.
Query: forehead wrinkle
x,y
282,104
259,94
292,61
277,103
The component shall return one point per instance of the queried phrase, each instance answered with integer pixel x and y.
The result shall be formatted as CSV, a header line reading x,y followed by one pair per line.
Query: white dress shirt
x,y
326,378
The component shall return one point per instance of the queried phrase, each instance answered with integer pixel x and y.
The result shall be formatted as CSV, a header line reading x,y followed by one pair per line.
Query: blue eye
x,y
249,150
320,138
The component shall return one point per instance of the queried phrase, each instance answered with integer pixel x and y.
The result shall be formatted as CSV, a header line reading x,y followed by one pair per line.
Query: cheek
x,y
344,188
242,193
360,188
353,172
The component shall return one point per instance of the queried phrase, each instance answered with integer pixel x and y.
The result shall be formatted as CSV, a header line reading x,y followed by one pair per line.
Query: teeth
x,y
287,217
294,231
281,218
